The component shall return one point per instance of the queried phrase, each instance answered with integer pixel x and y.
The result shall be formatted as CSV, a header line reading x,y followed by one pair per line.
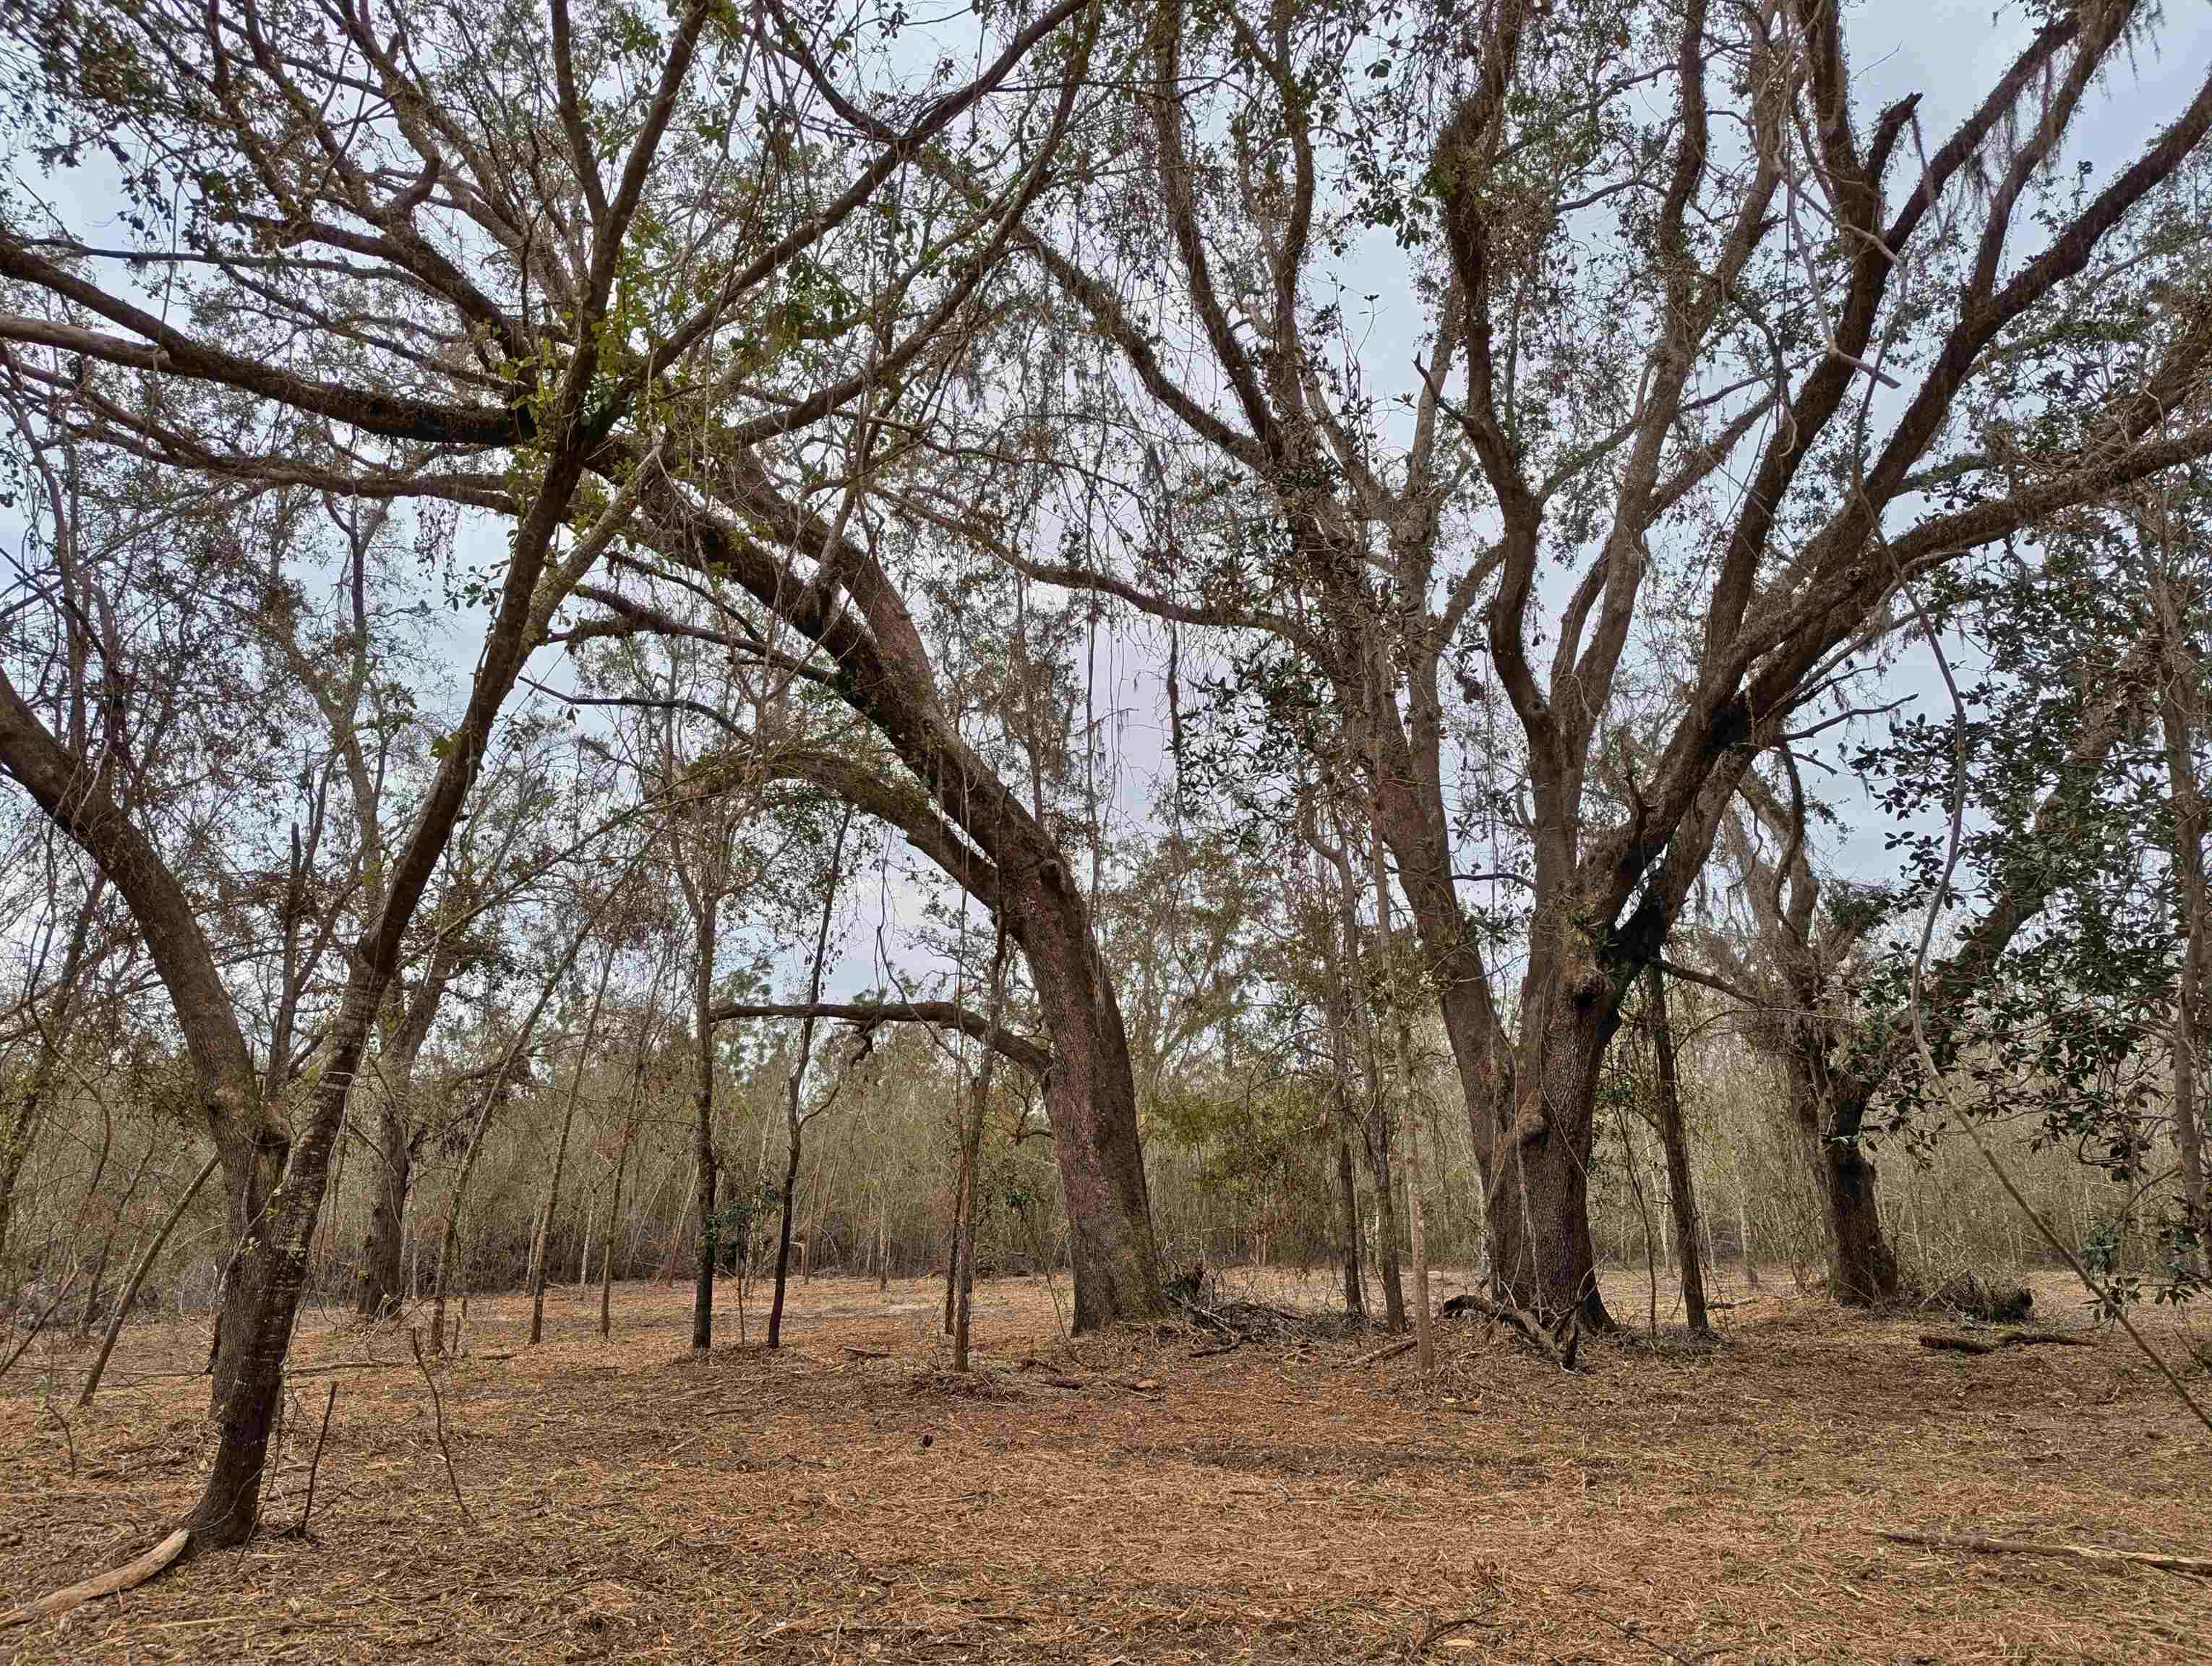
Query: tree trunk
x,y
383,1275
703,1104
1355,1299
1380,1170
1539,1164
783,1237
607,1248
952,1242
1672,1135
1743,1237
1427,1347
1861,1269
1091,1095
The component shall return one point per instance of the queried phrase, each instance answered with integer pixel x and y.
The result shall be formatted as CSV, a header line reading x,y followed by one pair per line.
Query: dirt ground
x,y
1125,1499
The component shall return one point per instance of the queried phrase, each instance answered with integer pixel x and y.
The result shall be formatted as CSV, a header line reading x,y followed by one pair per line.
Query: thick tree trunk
x,y
1861,1268
1676,1139
1538,1171
1091,1097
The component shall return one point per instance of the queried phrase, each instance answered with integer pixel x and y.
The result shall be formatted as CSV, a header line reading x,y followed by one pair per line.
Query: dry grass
x,y
627,1503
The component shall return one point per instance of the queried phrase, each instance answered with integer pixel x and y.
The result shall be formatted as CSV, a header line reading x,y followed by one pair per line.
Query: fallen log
x,y
2095,1555
115,1580
1958,1341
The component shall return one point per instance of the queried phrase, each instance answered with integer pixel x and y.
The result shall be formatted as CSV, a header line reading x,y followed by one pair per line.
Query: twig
x,y
1635,1633
104,1584
315,1463
1960,1342
865,1353
1206,1318
438,1411
2195,1566
39,1323
1442,1627
1381,1354
379,1365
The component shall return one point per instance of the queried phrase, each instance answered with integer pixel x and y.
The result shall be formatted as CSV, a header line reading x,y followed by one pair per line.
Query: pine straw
x,y
1269,1504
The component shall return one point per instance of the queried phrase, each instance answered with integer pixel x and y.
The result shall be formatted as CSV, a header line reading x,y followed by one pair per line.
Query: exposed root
x,y
127,1577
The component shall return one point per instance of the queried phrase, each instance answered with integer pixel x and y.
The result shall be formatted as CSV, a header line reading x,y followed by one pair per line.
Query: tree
x,y
1645,299
468,297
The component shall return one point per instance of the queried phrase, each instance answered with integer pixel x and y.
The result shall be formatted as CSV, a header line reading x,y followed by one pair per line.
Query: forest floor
x,y
1123,1500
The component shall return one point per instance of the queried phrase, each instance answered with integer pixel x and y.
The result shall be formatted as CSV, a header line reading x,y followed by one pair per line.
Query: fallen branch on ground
x,y
438,1410
1960,1342
382,1365
1381,1354
2196,1565
114,1580
1561,1344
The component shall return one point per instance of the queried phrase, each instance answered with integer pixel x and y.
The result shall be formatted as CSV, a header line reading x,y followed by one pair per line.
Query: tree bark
x,y
1861,1266
1091,1097
1674,1138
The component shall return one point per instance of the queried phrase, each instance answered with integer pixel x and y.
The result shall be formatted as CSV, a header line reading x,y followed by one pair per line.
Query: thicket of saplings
x,y
1243,1176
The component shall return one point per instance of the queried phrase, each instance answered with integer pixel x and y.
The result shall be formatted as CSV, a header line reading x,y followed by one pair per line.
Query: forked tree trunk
x,y
1680,1196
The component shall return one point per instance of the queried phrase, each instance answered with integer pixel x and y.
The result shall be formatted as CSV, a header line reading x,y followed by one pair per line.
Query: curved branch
x,y
1032,1055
